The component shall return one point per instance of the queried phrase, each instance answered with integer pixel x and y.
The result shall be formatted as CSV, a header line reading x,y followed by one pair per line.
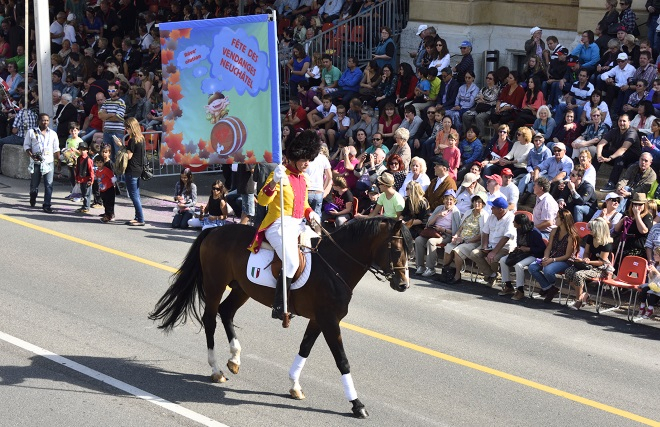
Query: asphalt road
x,y
76,345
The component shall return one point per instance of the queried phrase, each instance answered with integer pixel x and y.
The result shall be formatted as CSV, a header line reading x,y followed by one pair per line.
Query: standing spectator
x,y
85,176
297,65
112,113
110,20
136,156
320,180
562,245
106,180
498,238
534,45
43,148
385,51
546,207
628,18
57,32
24,120
471,149
467,62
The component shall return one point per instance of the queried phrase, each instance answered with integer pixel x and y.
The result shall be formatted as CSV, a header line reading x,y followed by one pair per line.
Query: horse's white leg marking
x,y
213,363
349,388
294,372
235,350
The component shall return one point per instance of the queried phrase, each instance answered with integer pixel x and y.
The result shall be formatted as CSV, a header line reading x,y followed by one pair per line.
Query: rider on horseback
x,y
300,152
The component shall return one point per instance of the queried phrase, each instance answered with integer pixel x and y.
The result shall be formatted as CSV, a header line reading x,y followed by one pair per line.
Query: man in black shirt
x,y
619,148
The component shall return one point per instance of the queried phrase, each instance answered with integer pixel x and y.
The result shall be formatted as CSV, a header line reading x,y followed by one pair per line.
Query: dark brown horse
x,y
218,258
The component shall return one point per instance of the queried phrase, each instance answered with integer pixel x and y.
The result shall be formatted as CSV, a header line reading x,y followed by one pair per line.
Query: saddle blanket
x,y
259,271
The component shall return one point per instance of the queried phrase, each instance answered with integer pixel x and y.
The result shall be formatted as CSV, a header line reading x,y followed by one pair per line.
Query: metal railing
x,y
357,36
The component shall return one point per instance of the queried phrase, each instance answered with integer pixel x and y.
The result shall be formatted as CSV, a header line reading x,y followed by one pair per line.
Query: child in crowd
x,y
106,180
368,204
84,176
96,152
70,156
215,212
342,122
452,154
650,292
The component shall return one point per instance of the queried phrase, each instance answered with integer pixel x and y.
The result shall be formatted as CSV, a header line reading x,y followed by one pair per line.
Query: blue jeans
x,y
247,204
107,140
652,25
86,190
546,275
133,189
48,184
315,200
89,135
580,213
525,183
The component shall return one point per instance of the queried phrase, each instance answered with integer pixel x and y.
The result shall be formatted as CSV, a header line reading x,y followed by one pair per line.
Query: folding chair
x,y
632,274
582,229
532,281
527,213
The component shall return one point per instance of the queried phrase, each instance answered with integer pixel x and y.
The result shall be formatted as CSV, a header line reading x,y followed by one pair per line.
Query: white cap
x,y
622,57
533,30
469,179
612,196
421,28
71,17
559,145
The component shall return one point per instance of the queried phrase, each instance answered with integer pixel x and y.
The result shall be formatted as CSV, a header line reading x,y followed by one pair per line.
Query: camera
x,y
38,157
153,112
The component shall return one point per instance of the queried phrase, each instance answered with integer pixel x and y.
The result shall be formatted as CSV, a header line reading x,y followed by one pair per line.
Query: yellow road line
x,y
382,337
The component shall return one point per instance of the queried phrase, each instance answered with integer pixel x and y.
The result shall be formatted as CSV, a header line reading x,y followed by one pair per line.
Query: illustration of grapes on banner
x,y
218,100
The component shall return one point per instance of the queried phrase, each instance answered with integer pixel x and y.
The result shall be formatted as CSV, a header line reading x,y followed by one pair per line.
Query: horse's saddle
x,y
264,267
276,265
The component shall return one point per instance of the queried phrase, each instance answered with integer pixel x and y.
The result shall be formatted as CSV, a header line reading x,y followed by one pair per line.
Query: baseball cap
x,y
533,30
495,178
621,57
539,135
450,192
506,171
469,179
612,196
500,202
374,189
466,43
559,145
421,28
71,17
572,60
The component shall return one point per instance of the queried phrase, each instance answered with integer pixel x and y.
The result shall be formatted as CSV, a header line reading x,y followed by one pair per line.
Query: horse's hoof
x,y
218,378
233,367
360,413
297,394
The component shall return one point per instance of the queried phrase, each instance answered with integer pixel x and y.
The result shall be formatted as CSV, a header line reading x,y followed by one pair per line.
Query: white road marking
x,y
141,394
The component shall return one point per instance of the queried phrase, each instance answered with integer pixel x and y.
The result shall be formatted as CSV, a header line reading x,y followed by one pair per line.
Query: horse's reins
x,y
380,275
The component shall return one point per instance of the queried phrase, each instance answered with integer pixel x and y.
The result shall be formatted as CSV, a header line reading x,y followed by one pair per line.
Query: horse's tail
x,y
186,293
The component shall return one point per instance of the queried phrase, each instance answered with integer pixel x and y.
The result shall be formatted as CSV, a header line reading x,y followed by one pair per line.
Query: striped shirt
x,y
117,107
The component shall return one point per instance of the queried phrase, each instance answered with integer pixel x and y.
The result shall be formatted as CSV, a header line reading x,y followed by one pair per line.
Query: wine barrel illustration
x,y
228,136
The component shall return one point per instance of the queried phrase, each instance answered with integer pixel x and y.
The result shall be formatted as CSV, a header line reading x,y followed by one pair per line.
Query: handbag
x,y
482,107
515,257
147,170
430,233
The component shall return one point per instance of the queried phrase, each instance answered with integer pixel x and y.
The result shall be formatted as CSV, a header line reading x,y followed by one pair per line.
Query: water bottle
x,y
376,111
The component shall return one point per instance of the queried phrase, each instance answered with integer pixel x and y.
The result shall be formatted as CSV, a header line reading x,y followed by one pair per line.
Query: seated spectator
x,y
401,148
577,97
416,174
644,118
629,47
595,101
493,185
608,58
443,222
652,241
509,189
532,102
313,74
654,97
215,212
426,90
185,197
330,76
498,147
466,239
587,52
465,100
544,122
591,136
349,82
577,195
509,102
498,238
296,116
620,147
533,68
484,102
396,168
361,142
388,122
65,113
412,123
441,139
371,77
631,99
330,10
637,178
516,159
545,209
416,212
649,292
440,183
589,170
340,206
429,132
616,78
594,263
566,133
467,190
563,244
384,92
553,86
405,85
343,123
447,94
389,203
471,149
636,225
610,210
529,247
366,122
555,168
376,143
321,119
537,155
651,143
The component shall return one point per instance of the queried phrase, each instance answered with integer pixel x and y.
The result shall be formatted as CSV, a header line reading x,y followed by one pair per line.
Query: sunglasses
x,y
503,131
438,44
430,112
394,164
216,188
614,200
556,151
112,90
377,139
140,75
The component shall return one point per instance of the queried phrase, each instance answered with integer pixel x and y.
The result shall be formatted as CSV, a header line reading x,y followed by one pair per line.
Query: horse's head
x,y
394,258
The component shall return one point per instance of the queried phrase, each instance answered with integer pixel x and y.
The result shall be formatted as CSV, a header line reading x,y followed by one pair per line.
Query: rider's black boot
x,y
278,304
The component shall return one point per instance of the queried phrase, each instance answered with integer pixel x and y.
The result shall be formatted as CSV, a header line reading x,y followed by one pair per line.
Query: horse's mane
x,y
369,227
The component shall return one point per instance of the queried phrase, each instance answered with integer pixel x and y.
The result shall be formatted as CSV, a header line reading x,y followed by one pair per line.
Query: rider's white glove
x,y
279,175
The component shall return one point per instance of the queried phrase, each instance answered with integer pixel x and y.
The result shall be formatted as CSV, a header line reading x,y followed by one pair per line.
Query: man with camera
x,y
43,148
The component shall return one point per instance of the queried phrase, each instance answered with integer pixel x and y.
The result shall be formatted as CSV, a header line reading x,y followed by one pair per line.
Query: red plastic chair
x,y
582,229
632,274
357,34
527,213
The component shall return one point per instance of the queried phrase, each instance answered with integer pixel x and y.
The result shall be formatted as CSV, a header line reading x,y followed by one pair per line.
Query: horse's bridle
x,y
380,274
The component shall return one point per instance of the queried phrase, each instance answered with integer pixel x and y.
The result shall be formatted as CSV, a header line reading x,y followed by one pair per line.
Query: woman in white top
x,y
643,120
443,59
417,173
596,101
516,159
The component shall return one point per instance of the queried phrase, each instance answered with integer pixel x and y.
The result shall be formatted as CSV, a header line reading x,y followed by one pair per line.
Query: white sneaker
x,y
420,270
429,272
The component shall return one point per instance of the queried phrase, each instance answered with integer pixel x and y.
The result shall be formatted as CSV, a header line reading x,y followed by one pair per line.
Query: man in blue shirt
x,y
587,52
349,83
557,168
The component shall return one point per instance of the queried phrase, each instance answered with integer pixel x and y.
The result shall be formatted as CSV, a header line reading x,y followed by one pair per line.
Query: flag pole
x,y
276,115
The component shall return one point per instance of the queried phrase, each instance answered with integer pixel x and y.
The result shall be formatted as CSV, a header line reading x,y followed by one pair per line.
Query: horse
x,y
218,258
